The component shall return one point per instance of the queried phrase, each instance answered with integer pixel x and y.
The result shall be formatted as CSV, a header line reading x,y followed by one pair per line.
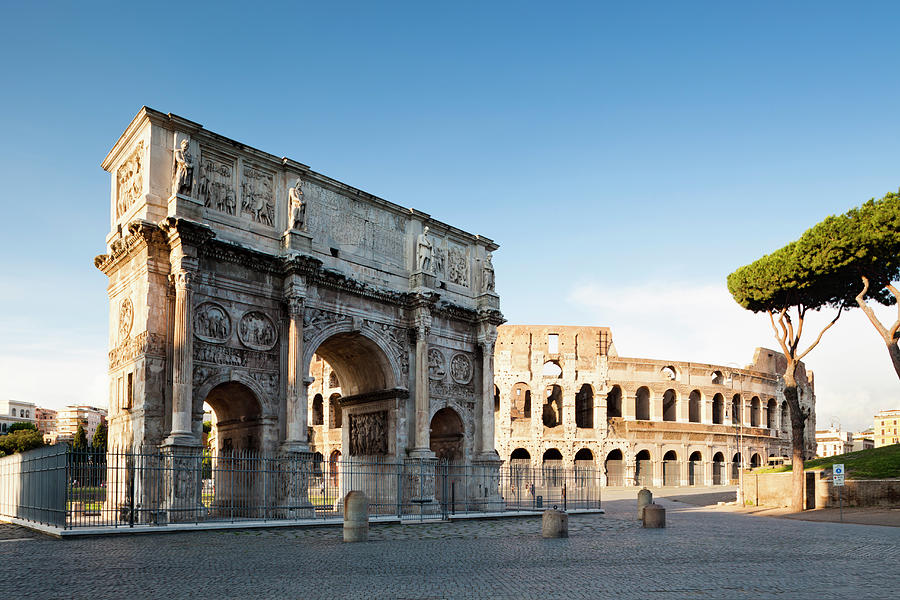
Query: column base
x,y
487,485
294,470
418,484
181,480
422,279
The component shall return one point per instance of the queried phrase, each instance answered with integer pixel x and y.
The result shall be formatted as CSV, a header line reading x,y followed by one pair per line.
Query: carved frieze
x,y
126,318
368,434
436,364
216,188
399,340
450,389
316,319
267,381
216,354
458,265
257,331
461,368
143,344
201,374
212,323
130,180
258,195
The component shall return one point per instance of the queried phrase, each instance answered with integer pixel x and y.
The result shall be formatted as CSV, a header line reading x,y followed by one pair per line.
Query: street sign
x,y
837,475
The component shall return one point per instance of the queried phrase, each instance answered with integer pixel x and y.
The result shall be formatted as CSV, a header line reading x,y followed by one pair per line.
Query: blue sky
x,y
626,158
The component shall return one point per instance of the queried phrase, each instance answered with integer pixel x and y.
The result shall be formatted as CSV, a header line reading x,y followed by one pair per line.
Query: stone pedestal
x,y
654,516
294,469
418,486
295,240
486,491
422,279
185,207
356,517
554,524
181,466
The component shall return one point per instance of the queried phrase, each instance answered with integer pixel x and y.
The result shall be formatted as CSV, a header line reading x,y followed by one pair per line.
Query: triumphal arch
x,y
231,269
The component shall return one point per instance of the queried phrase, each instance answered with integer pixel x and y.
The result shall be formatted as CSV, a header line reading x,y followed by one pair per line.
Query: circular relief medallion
x,y
461,368
126,318
212,323
257,331
436,369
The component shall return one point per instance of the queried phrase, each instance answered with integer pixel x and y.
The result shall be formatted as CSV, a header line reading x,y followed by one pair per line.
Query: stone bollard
x,y
654,516
356,517
645,497
555,524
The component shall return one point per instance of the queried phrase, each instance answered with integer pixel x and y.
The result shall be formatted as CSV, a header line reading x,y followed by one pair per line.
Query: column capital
x,y
294,305
183,279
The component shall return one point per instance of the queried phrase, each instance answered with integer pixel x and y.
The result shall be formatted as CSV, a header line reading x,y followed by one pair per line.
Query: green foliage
x,y
207,427
875,463
20,441
824,267
80,442
21,426
98,442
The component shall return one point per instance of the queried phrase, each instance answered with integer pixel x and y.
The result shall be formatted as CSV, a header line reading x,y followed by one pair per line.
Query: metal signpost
x,y
837,478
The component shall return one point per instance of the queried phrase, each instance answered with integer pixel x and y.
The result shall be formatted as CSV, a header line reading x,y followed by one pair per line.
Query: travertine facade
x,y
563,395
230,268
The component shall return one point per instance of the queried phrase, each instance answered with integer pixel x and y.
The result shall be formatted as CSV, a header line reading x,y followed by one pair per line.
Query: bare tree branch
x,y
895,328
821,333
861,301
779,335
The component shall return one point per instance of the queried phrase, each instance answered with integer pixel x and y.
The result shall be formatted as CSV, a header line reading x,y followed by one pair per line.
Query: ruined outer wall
x,y
592,374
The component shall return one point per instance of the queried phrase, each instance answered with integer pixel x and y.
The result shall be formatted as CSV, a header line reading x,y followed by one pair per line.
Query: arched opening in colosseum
x,y
552,369
333,381
447,435
317,470
519,473
718,409
735,467
694,407
695,468
520,402
785,417
754,412
643,469
585,474
642,404
520,457
552,468
496,402
717,378
670,468
736,409
584,407
615,468
669,372
614,403
719,469
336,420
755,460
552,413
318,411
670,405
334,467
771,413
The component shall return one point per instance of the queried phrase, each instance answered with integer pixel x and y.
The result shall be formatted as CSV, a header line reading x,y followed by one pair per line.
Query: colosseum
x,y
564,398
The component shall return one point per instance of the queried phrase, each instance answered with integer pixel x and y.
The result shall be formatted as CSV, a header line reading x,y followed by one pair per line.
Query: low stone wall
x,y
774,489
858,492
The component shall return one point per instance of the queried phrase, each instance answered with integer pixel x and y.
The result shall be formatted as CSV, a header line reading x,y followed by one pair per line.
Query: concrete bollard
x,y
645,497
356,517
654,516
555,524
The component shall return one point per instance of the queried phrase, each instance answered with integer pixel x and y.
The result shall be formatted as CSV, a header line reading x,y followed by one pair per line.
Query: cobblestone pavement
x,y
702,554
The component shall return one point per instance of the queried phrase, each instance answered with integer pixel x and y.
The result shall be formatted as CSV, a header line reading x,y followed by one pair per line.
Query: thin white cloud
x,y
701,322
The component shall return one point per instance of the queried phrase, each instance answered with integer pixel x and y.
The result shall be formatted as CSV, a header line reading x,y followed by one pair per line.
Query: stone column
x,y
183,360
296,382
422,447
295,460
486,340
629,402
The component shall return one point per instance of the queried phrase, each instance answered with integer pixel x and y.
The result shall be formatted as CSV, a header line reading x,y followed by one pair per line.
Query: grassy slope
x,y
877,463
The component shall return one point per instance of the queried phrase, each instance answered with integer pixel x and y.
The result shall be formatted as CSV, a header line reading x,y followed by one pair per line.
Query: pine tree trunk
x,y
894,351
798,426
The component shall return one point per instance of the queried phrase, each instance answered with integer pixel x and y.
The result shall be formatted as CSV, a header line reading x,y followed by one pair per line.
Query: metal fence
x,y
61,487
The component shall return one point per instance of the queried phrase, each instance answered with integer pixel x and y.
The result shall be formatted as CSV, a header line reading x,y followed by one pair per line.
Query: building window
x,y
553,343
129,390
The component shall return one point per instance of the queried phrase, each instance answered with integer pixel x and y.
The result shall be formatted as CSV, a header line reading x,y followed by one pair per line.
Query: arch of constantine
x,y
232,271
564,398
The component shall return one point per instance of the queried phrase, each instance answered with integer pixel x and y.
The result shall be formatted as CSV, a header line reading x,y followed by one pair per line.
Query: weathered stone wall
x,y
596,400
